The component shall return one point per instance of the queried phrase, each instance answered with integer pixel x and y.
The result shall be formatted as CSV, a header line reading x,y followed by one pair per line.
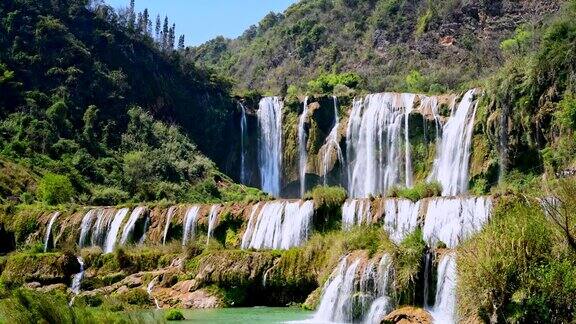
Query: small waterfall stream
x,y
190,224
453,152
149,289
302,149
169,216
77,281
331,146
128,230
278,225
270,144
112,236
212,219
401,218
444,310
243,136
356,212
49,230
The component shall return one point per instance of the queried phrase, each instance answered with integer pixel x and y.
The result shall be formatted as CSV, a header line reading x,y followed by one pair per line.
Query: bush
x,y
328,197
174,315
326,83
55,189
136,297
418,192
108,196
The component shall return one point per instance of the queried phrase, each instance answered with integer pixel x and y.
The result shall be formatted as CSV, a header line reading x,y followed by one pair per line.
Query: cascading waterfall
x,y
270,144
212,219
453,152
331,145
452,220
243,136
77,281
302,150
357,285
100,228
169,216
278,225
444,310
190,224
113,230
408,101
374,143
400,218
49,230
356,212
149,289
85,226
128,230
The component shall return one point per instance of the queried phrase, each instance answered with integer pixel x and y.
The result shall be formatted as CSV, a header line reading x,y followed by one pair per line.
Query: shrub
x,y
408,264
136,297
55,189
174,315
418,192
328,197
108,196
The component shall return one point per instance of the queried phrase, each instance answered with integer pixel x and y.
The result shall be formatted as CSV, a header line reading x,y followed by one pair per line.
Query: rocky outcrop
x,y
408,315
46,269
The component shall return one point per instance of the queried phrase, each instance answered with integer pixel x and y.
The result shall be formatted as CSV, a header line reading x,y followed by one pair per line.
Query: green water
x,y
264,315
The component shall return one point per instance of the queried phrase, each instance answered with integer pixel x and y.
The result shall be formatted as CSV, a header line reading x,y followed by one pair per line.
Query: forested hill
x,y
86,94
442,43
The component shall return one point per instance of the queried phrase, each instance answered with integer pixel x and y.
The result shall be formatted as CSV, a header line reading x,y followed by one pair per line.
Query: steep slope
x,y
393,44
85,97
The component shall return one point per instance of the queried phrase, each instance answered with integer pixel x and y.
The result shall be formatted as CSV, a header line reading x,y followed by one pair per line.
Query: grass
x,y
418,192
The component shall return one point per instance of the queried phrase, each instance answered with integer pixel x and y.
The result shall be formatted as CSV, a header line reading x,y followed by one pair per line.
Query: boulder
x,y
408,315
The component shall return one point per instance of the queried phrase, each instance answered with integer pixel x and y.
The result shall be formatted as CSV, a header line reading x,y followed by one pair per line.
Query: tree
x,y
55,189
171,37
165,34
131,15
146,22
181,43
158,27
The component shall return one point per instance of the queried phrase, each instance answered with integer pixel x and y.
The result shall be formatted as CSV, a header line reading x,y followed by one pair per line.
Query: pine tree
x,y
165,34
172,37
140,23
131,15
146,21
158,26
181,42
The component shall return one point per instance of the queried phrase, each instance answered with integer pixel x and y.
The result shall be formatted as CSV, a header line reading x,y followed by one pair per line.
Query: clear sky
x,y
202,20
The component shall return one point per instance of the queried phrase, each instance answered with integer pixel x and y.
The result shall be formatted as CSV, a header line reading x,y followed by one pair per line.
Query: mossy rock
x,y
45,268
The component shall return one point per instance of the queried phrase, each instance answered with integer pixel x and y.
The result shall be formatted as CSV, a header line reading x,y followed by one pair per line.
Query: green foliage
x,y
566,115
408,263
328,197
55,189
518,43
174,315
326,83
136,297
507,270
418,192
415,82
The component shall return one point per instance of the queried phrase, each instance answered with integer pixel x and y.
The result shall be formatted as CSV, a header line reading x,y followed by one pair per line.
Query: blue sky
x,y
202,20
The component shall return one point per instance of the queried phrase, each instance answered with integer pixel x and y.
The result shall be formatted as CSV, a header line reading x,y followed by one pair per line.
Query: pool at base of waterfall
x,y
264,315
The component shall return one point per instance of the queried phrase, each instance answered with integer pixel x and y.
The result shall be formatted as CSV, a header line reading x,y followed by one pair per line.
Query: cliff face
x,y
449,43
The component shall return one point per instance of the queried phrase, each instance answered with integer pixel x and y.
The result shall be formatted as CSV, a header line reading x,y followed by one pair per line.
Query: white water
x,y
444,310
270,144
302,150
356,284
113,230
101,227
85,226
374,144
278,225
190,224
243,135
452,220
77,281
356,212
212,219
453,152
149,289
400,218
130,224
408,102
331,145
169,216
49,230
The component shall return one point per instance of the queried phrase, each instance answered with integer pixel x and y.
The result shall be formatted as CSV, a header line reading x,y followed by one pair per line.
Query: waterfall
x,y
374,143
453,152
212,219
356,284
85,226
427,274
444,310
169,216
278,225
112,235
128,230
302,141
400,218
331,145
101,226
149,288
408,102
243,135
452,220
190,224
49,230
270,144
77,281
356,212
